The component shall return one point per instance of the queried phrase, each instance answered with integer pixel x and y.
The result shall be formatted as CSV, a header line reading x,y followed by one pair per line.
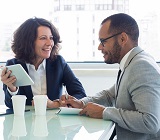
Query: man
x,y
133,103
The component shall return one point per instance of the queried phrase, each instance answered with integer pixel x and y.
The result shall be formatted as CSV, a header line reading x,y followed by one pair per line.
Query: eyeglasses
x,y
103,40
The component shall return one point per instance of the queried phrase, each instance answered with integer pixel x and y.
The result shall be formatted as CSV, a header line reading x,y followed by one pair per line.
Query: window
x,y
82,20
80,7
67,7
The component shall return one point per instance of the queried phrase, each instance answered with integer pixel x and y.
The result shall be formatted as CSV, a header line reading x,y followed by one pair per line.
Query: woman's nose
x,y
49,42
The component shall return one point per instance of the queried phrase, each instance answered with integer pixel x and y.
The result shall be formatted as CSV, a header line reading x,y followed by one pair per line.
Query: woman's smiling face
x,y
44,43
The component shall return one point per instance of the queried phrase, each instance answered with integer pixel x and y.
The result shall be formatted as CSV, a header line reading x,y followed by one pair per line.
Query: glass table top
x,y
52,127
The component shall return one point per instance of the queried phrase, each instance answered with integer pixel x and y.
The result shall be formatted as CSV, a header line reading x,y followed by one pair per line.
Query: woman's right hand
x,y
8,80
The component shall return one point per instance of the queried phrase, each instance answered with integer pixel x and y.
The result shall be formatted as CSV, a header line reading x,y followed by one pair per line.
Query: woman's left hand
x,y
53,104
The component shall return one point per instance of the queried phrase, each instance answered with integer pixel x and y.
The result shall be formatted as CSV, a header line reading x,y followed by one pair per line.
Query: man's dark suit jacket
x,y
58,73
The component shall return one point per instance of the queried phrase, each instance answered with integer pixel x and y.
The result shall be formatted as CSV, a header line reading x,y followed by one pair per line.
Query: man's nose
x,y
100,46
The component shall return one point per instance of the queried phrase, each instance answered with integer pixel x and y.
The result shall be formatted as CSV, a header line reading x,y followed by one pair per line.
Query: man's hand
x,y
71,101
93,110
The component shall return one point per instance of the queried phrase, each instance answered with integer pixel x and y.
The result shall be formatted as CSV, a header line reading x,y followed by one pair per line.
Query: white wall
x,y
1,95
96,80
1,89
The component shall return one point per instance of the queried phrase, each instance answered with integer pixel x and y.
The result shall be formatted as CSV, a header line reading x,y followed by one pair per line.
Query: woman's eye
x,y
42,38
51,38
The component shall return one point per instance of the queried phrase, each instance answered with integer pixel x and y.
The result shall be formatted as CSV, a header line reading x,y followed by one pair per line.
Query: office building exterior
x,y
78,22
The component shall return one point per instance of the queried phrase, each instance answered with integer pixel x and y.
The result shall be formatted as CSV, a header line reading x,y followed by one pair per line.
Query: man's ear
x,y
123,38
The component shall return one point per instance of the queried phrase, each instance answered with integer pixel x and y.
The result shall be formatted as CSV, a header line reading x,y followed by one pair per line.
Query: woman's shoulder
x,y
12,61
60,57
57,59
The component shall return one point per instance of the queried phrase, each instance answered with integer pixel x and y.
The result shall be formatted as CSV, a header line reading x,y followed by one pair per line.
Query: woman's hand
x,y
8,80
53,104
50,103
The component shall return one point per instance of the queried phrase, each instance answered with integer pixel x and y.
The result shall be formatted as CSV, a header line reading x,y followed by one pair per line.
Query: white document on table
x,y
67,110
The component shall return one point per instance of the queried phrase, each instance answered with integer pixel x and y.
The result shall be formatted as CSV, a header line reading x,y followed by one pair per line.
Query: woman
x,y
36,45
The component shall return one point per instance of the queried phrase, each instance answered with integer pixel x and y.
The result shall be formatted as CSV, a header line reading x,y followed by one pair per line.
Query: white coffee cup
x,y
40,104
19,102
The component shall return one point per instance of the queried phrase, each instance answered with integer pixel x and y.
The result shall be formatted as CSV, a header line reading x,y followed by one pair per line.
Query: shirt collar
x,y
124,59
43,64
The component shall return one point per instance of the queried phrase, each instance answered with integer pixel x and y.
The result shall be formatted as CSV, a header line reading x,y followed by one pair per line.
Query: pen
x,y
66,95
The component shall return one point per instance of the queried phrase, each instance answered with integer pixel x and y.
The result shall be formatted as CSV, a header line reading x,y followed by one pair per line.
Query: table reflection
x,y
19,126
40,126
51,126
92,125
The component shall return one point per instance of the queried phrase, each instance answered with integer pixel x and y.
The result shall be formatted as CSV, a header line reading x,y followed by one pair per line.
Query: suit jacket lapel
x,y
49,76
134,52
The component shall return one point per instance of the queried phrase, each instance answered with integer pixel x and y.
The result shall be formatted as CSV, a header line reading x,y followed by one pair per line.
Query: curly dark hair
x,y
24,39
123,23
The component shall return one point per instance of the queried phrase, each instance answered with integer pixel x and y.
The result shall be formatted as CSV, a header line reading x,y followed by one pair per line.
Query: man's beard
x,y
114,56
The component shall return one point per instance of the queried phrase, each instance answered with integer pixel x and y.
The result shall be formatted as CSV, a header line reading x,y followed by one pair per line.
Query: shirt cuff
x,y
13,93
83,103
104,114
56,100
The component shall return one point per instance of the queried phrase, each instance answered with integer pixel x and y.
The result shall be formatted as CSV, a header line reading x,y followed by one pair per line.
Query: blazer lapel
x,y
49,76
134,52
